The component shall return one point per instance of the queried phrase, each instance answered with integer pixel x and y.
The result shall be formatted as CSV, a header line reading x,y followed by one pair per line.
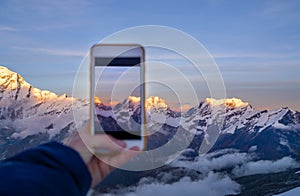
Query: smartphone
x,y
117,93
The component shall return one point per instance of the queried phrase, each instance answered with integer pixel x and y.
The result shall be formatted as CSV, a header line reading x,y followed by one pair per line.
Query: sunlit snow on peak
x,y
10,79
97,100
230,103
155,101
134,99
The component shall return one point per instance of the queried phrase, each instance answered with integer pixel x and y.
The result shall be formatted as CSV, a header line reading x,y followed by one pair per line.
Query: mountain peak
x,y
134,99
155,101
97,100
10,79
14,86
228,102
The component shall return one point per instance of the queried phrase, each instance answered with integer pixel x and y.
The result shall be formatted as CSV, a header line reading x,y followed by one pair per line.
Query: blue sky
x,y
126,78
256,43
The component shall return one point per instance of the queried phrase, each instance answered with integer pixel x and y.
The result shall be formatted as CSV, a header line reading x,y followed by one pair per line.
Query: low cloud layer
x,y
217,172
213,185
214,161
243,164
264,167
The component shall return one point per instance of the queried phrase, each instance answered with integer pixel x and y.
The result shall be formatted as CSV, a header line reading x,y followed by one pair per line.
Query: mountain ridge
x,y
15,82
29,111
30,116
21,103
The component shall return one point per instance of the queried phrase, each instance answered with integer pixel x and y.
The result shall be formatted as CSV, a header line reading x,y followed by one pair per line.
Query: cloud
x,y
213,185
264,167
163,56
269,55
217,171
282,67
241,163
54,51
276,8
56,26
7,28
166,55
212,161
46,8
256,85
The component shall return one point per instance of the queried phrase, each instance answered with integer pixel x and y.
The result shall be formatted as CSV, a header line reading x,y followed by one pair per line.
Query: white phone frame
x,y
112,51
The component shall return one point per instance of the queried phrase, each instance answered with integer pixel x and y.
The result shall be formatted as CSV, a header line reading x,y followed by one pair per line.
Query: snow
x,y
44,108
57,112
247,115
104,113
212,111
158,118
230,130
270,118
284,142
155,102
278,125
30,110
232,103
174,122
293,192
252,149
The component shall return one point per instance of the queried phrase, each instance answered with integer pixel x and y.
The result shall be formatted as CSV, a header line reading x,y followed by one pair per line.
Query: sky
x,y
116,83
254,43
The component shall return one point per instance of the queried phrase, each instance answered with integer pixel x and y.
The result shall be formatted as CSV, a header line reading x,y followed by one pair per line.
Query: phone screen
x,y
118,90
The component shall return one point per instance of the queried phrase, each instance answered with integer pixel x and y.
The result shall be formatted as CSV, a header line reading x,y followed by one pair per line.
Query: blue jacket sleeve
x,y
49,169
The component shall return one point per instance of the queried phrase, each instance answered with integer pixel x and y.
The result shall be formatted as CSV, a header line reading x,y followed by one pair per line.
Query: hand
x,y
102,164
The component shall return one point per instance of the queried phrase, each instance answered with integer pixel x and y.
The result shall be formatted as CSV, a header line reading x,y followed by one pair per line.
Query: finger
x,y
103,141
121,158
135,148
98,170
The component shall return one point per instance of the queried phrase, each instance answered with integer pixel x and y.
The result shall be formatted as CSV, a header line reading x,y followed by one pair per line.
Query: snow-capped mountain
x,y
239,125
28,111
123,116
273,134
32,115
127,113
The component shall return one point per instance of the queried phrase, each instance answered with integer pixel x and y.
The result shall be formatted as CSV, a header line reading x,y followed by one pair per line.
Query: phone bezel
x,y
114,50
